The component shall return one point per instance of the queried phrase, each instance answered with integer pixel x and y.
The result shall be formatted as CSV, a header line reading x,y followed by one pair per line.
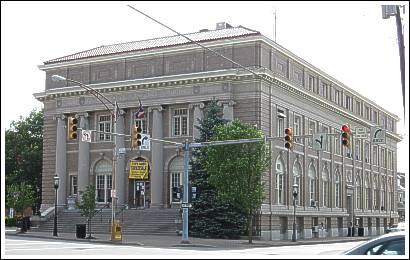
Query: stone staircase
x,y
134,221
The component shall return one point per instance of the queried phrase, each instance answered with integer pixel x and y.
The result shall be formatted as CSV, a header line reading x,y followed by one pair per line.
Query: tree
x,y
20,197
87,206
24,153
236,170
209,216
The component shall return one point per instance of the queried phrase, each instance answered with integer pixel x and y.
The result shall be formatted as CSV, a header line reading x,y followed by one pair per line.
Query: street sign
x,y
122,150
378,135
113,194
145,142
186,205
319,141
360,133
86,136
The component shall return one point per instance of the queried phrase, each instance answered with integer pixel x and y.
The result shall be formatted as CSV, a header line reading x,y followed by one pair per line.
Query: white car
x,y
401,226
387,244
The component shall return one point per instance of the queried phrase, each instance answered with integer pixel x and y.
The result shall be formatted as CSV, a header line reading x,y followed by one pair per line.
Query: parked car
x,y
387,244
401,226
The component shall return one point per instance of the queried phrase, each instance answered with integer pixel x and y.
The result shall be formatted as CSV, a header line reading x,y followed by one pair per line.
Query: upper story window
x,y
180,122
312,130
348,104
336,98
383,121
367,112
297,128
142,123
104,125
366,152
326,145
280,122
390,124
374,117
359,108
338,141
311,85
324,90
375,160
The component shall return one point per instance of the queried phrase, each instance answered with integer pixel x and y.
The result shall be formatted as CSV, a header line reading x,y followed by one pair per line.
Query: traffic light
x,y
346,135
136,137
289,138
72,128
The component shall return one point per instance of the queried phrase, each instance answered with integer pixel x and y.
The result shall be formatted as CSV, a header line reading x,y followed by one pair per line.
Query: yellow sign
x,y
139,170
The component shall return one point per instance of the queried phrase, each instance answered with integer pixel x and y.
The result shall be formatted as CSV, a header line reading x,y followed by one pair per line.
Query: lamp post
x,y
295,195
114,112
56,183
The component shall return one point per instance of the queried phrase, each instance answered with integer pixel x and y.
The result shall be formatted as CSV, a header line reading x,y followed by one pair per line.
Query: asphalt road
x,y
38,247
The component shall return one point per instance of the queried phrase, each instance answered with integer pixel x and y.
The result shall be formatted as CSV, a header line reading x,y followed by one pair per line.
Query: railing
x,y
99,211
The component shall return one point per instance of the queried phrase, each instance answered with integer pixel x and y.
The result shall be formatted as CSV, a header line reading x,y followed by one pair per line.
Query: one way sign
x,y
145,143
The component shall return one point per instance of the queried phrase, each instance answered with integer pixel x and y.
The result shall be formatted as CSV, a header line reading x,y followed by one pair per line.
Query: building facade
x,y
175,80
401,196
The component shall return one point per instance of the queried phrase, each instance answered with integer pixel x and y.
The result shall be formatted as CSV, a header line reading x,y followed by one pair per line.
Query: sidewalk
x,y
175,241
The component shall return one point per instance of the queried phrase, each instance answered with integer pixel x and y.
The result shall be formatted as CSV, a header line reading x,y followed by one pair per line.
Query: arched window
x,y
325,187
176,170
338,189
312,184
103,181
279,180
297,174
358,191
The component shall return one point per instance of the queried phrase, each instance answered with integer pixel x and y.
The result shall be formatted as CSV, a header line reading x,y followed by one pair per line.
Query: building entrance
x,y
139,184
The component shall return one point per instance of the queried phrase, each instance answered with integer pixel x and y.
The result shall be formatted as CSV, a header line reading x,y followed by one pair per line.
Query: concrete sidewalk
x,y
175,241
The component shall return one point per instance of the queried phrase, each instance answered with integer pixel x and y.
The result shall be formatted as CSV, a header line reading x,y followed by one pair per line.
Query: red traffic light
x,y
345,128
288,131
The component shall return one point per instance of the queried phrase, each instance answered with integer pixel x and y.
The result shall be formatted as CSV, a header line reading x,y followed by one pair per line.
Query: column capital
x,y
85,115
201,105
159,108
62,117
228,102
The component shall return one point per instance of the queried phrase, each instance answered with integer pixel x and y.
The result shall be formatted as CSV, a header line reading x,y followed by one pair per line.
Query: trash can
x,y
360,231
80,230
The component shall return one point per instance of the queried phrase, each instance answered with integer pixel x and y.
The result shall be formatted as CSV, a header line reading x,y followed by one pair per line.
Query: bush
x,y
11,222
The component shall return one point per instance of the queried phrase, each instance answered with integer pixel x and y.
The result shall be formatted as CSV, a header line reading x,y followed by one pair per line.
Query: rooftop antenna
x,y
274,25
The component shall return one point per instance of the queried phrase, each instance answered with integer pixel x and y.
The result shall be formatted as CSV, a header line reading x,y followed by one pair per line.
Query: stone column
x,y
120,167
61,160
83,156
227,109
198,114
157,163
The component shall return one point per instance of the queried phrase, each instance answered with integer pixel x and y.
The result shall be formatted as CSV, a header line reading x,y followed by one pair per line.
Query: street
x,y
37,248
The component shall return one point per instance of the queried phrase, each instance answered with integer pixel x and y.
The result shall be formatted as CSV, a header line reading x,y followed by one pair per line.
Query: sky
x,y
347,40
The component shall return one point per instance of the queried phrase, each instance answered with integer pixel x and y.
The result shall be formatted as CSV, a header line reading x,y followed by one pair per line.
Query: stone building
x,y
175,79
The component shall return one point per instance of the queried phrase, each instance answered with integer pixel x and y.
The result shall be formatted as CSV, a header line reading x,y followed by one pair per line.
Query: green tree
x,y
209,216
236,170
87,205
24,153
20,196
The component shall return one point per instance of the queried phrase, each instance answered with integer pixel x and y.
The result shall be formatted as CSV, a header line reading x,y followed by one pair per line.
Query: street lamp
x,y
56,182
295,195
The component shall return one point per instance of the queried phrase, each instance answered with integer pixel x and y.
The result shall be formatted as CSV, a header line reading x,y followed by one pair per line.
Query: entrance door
x,y
139,194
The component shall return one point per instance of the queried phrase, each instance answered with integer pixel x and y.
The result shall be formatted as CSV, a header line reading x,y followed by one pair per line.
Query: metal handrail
x,y
99,211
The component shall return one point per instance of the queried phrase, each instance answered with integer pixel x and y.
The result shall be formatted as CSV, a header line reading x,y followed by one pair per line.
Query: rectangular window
x,y
312,130
383,158
337,143
297,128
324,90
73,184
374,118
359,108
180,122
367,112
104,125
375,160
367,152
348,104
382,121
325,129
337,97
358,150
142,123
280,122
311,83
